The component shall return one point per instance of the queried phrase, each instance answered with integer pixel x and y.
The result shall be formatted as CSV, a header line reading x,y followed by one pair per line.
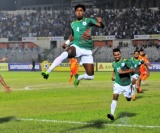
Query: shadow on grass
x,y
138,97
144,90
125,114
7,119
99,124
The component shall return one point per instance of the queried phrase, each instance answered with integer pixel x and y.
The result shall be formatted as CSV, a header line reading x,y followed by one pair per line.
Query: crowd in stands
x,y
124,24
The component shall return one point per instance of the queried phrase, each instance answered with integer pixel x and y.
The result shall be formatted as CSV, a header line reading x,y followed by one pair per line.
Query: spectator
x,y
33,65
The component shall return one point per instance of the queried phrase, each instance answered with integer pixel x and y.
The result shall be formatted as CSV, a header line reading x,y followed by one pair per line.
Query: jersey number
x,y
77,29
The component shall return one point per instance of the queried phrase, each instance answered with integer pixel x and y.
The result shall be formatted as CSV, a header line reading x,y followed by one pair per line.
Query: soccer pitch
x,y
36,105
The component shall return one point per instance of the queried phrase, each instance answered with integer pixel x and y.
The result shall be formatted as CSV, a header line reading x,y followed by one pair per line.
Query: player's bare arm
x,y
113,76
146,56
3,59
99,22
148,64
7,89
126,71
66,44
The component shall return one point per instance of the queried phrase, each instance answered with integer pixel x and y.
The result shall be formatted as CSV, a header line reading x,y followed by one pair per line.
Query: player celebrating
x,y
81,45
122,81
73,63
7,88
136,62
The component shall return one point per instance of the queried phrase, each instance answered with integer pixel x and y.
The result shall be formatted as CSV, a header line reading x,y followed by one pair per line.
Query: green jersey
x,y
136,65
122,79
81,30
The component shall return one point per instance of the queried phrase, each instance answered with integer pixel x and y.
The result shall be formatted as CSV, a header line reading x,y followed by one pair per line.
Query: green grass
x,y
34,98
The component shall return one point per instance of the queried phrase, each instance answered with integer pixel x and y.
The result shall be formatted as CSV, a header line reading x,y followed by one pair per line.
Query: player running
x,y
136,62
122,80
73,63
81,44
143,70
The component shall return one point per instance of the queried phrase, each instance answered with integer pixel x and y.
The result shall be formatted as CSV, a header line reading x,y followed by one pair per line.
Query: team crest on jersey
x,y
123,64
84,23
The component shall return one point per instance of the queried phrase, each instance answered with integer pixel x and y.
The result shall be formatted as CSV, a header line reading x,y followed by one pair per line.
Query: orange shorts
x,y
143,73
74,71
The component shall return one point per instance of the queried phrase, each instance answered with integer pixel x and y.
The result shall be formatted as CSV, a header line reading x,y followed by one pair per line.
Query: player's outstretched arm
x,y
67,43
3,59
99,22
7,88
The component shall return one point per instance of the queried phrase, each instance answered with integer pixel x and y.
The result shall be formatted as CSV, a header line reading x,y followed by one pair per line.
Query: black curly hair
x,y
81,6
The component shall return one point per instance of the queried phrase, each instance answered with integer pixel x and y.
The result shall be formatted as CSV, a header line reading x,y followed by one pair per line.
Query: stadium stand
x,y
124,24
20,52
104,53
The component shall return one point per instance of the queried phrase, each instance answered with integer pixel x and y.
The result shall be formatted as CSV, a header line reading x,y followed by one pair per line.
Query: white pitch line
x,y
54,85
86,123
57,85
